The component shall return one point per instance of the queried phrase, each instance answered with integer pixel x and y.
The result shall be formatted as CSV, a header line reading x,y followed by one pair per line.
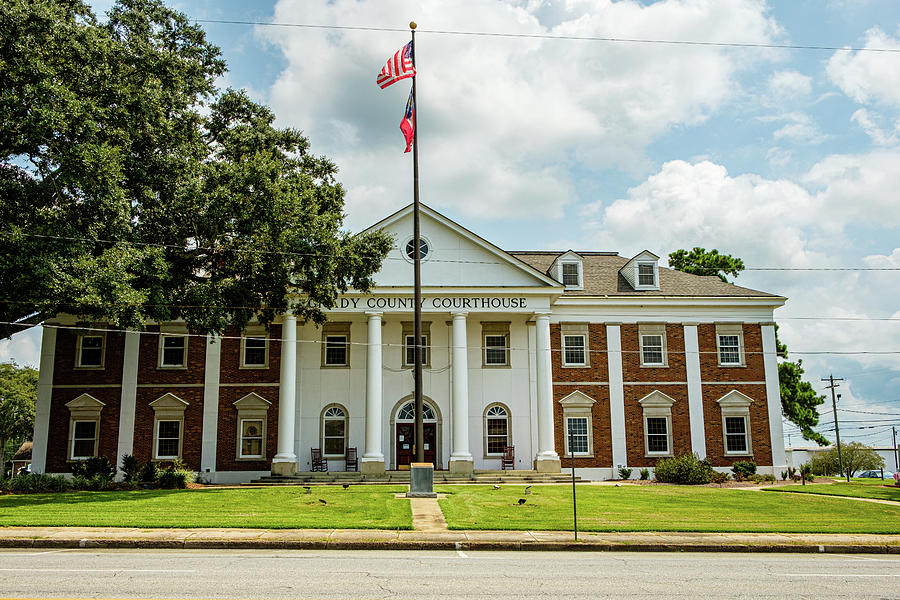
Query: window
x,y
646,274
570,274
735,435
334,431
577,435
573,350
657,408
336,345
90,351
409,250
168,439
407,412
251,438
577,415
657,435
735,408
84,440
172,351
409,337
251,431
255,352
496,430
651,349
496,343
84,426
730,342
168,426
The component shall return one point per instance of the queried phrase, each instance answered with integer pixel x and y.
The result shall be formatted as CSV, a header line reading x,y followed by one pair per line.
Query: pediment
x,y
735,399
577,399
169,401
456,257
85,402
252,401
656,399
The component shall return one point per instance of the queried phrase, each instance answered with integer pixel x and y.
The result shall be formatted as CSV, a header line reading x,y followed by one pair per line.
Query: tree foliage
x,y
799,401
854,457
131,189
18,393
700,261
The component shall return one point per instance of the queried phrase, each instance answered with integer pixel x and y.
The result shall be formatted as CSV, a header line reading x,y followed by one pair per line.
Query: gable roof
x,y
602,278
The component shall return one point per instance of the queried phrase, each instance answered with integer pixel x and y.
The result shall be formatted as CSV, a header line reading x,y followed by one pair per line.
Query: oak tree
x,y
18,392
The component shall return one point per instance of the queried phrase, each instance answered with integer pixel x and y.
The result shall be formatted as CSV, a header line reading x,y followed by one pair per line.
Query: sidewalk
x,y
358,539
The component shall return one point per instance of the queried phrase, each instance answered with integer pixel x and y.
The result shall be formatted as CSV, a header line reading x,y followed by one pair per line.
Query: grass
x,y
857,488
358,507
661,508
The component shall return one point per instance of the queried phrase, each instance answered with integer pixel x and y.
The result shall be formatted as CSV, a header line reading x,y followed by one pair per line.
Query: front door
x,y
406,448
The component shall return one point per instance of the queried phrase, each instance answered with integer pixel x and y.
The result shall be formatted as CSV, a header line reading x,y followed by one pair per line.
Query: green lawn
x,y
857,488
661,508
358,507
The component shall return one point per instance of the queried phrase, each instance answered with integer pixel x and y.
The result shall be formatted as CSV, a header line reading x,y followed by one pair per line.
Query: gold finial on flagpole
x,y
412,24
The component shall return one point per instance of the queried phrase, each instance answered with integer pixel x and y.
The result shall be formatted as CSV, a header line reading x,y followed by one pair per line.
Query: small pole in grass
x,y
574,508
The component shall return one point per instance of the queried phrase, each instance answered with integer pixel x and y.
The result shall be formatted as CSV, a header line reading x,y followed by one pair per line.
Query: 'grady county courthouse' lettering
x,y
615,360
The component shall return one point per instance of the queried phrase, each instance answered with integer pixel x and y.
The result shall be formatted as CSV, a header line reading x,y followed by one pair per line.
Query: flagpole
x,y
417,278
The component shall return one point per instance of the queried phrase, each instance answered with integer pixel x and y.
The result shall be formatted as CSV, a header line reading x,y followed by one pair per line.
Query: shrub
x,y
98,465
94,483
719,478
148,473
744,468
131,468
175,476
645,474
684,468
35,483
624,473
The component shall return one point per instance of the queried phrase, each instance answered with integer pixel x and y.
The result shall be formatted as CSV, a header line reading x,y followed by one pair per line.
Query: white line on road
x,y
101,570
840,575
461,554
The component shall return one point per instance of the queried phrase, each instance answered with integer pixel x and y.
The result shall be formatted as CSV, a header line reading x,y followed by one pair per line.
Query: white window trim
x,y
96,438
578,405
736,404
336,329
156,424
242,437
584,349
81,336
83,408
168,407
346,421
637,275
252,407
495,329
578,264
249,335
184,356
730,329
653,329
657,404
485,428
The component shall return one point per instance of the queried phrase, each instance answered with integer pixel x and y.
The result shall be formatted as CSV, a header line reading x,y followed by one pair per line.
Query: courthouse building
x,y
613,359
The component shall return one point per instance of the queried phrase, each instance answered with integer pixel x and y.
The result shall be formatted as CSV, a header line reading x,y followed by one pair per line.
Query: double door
x,y
406,444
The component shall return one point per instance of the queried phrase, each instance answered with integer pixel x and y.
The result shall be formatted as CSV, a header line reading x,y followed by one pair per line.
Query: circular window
x,y
410,249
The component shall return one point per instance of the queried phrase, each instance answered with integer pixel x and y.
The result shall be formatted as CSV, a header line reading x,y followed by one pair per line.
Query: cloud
x,y
868,76
516,114
789,84
869,123
23,348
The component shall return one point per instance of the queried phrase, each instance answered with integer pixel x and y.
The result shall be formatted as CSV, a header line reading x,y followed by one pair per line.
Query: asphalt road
x,y
422,575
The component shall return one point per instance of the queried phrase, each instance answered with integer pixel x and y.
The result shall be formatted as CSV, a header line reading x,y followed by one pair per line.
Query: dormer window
x,y
642,271
646,274
570,274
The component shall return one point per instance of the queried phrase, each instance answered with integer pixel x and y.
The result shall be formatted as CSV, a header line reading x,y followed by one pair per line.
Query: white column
x,y
773,398
695,389
460,457
210,405
616,395
285,462
128,398
44,395
547,459
373,457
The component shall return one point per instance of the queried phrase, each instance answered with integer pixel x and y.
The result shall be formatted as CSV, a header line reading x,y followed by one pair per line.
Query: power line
x,y
548,36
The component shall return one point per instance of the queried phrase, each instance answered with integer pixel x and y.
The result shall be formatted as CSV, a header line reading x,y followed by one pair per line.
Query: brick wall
x,y
58,438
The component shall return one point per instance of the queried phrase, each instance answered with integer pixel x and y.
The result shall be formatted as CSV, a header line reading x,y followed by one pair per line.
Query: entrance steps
x,y
402,477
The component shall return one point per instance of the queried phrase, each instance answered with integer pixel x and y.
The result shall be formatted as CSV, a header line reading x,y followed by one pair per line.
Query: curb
x,y
188,544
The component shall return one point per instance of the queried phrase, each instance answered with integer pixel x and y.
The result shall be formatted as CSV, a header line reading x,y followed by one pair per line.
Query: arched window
x,y
407,412
334,431
496,430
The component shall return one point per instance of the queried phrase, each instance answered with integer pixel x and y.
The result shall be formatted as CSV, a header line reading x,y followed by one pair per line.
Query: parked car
x,y
876,475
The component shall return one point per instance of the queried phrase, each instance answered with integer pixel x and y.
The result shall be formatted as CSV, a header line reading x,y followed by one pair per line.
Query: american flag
x,y
408,123
397,68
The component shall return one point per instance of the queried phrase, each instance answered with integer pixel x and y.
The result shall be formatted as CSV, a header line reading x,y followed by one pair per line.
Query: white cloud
x,y
513,113
868,76
23,348
869,123
789,84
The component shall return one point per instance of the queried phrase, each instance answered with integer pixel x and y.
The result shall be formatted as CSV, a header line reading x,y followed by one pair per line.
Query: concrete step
x,y
402,477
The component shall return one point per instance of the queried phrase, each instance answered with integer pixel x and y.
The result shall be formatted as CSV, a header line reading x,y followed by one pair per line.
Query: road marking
x,y
461,554
839,575
32,570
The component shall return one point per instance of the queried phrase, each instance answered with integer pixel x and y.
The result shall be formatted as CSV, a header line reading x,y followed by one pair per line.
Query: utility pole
x,y
896,460
837,432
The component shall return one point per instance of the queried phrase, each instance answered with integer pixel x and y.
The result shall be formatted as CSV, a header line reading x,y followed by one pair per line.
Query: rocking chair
x,y
318,463
509,458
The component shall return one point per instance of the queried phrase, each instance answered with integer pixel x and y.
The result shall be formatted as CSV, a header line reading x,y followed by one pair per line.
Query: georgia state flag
x,y
408,124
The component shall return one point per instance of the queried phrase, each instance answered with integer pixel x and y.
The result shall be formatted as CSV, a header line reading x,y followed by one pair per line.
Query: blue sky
x,y
786,158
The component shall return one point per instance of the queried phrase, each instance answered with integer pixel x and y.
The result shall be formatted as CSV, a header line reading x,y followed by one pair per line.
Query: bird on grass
x,y
527,490
521,501
496,487
308,490
322,501
345,485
